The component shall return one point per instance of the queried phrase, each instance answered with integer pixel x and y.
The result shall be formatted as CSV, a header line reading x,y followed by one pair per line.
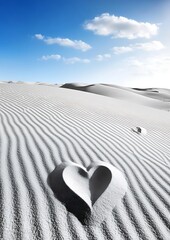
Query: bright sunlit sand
x,y
41,127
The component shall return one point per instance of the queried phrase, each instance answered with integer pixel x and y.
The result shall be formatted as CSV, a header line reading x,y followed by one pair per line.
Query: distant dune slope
x,y
42,126
157,98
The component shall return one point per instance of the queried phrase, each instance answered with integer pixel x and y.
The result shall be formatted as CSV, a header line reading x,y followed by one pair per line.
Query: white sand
x,y
152,97
41,126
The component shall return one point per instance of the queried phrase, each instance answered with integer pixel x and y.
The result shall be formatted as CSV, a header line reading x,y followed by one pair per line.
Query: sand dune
x,y
43,126
156,98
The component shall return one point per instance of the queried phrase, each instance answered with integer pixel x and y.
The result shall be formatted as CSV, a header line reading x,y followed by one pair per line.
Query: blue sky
x,y
124,42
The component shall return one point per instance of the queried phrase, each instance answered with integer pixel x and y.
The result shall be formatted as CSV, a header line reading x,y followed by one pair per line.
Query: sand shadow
x,y
99,182
62,192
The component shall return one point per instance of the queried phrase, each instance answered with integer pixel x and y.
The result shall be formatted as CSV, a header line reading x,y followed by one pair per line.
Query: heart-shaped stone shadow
x,y
88,193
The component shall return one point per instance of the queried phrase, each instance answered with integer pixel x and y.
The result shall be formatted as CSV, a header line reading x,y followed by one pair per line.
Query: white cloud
x,y
102,57
66,42
135,72
135,63
120,50
71,60
153,71
51,57
120,27
76,60
148,46
153,64
39,36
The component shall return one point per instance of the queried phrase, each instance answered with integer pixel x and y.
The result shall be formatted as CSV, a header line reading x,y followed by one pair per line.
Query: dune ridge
x,y
152,97
41,126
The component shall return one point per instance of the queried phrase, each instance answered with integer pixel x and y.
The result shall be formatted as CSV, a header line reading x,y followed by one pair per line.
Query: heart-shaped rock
x,y
91,192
